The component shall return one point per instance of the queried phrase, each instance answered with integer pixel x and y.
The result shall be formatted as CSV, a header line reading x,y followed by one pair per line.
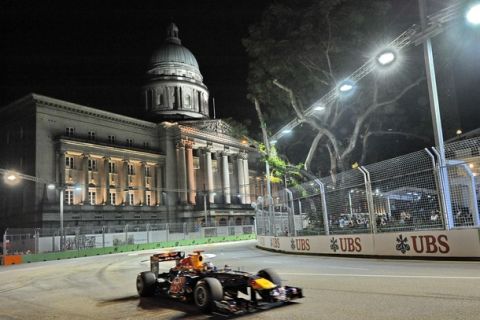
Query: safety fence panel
x,y
463,164
405,193
29,241
346,202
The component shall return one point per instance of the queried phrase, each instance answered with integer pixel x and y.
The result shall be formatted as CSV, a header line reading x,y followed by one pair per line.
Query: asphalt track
x,y
103,287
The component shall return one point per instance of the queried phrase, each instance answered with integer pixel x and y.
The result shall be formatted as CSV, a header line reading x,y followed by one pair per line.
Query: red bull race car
x,y
211,289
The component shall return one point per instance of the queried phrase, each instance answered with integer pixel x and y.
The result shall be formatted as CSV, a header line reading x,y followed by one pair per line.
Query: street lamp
x,y
386,58
473,14
345,87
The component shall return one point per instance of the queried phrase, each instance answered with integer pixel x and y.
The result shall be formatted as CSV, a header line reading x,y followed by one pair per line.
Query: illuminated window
x,y
69,197
92,195
91,135
196,163
130,169
92,165
131,199
111,167
69,162
69,131
113,198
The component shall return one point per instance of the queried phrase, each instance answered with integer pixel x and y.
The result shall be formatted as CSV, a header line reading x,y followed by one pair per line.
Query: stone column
x,y
190,173
209,174
182,172
247,178
241,177
106,197
226,178
158,183
143,185
125,182
85,179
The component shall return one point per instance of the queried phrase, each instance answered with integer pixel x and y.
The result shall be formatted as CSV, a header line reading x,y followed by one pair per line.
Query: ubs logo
x,y
346,244
423,244
300,244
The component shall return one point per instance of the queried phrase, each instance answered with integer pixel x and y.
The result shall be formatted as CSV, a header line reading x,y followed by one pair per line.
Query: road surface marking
x,y
379,276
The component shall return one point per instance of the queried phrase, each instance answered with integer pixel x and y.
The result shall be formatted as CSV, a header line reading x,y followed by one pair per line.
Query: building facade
x,y
112,169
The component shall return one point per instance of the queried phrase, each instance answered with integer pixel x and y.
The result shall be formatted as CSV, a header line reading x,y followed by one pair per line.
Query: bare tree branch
x,y
263,125
383,133
370,109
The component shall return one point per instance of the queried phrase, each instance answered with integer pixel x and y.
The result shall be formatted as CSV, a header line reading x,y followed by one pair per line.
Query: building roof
x,y
172,51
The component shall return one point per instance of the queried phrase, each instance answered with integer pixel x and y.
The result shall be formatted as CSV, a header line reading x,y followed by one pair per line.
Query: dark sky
x,y
95,52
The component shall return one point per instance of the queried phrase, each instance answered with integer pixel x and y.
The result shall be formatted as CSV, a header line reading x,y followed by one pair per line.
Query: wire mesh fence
x,y
27,241
406,193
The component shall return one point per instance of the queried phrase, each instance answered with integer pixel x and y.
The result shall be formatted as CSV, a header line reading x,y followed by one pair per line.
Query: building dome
x,y
174,53
175,86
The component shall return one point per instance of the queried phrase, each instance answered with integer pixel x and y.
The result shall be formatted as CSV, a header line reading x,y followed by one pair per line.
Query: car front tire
x,y
207,291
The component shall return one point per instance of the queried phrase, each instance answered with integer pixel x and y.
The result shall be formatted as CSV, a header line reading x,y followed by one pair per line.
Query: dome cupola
x,y
175,88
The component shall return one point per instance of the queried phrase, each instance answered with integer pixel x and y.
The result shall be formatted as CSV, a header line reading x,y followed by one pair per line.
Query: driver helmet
x,y
209,266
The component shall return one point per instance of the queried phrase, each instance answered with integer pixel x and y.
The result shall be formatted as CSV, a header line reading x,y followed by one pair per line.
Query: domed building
x,y
175,88
111,170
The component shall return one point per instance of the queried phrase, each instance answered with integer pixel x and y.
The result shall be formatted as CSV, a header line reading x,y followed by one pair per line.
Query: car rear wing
x,y
165,256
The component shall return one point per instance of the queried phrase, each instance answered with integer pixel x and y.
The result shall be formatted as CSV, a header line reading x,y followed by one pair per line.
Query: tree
x,y
299,51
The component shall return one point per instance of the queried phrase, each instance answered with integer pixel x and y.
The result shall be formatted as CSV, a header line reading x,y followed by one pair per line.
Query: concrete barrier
x,y
463,243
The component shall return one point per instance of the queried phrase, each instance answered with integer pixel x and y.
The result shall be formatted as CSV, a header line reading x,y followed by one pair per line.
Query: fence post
x,y
103,236
445,189
5,243
368,190
148,232
440,197
37,240
326,225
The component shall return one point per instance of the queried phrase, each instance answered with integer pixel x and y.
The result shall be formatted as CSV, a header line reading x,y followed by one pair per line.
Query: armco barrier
x,y
126,248
463,243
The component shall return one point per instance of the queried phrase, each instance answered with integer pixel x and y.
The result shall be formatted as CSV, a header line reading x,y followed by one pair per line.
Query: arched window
x,y
238,221
223,222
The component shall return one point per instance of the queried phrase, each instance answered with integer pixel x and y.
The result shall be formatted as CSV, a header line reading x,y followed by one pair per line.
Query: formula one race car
x,y
212,289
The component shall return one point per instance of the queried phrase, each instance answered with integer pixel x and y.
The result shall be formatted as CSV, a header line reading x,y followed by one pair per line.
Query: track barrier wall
x,y
28,258
423,244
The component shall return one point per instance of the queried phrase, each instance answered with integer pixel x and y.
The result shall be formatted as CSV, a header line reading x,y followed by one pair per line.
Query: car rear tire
x,y
207,291
271,276
146,284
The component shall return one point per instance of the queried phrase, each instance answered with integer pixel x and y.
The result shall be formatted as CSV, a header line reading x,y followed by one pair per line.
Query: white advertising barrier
x,y
453,243
361,244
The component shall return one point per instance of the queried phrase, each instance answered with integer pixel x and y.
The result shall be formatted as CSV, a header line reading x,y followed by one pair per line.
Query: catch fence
x,y
27,241
406,193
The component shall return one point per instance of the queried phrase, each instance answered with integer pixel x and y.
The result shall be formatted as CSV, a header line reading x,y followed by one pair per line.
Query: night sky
x,y
95,53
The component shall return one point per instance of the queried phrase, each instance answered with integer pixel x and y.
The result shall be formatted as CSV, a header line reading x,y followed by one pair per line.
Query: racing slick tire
x,y
207,291
146,284
271,276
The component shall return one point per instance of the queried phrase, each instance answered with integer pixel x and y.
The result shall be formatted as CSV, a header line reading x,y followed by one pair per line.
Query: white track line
x,y
379,276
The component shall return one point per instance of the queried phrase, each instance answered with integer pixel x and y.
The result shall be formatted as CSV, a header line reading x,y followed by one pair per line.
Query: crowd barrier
x,y
463,243
28,258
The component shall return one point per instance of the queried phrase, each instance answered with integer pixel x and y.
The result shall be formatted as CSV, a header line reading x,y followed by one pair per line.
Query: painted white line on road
x,y
379,276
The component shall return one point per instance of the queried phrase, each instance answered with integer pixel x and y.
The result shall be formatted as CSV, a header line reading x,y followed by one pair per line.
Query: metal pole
x,y
205,207
435,110
269,198
62,240
5,244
